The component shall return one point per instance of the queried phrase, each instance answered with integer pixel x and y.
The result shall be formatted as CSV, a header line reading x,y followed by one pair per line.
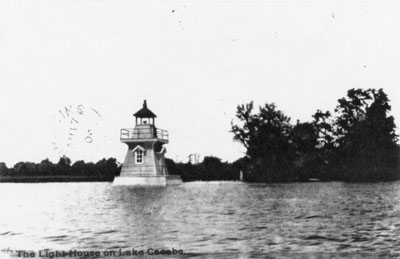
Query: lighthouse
x,y
144,163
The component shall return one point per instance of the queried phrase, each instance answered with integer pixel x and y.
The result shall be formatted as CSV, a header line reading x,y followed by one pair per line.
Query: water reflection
x,y
206,219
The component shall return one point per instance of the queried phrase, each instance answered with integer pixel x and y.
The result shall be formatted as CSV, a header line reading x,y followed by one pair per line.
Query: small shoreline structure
x,y
144,163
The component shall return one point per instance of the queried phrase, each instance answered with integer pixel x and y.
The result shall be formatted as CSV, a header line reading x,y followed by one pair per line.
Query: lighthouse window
x,y
139,156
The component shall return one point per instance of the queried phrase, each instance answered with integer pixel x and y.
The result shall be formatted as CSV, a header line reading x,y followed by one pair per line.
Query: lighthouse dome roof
x,y
144,112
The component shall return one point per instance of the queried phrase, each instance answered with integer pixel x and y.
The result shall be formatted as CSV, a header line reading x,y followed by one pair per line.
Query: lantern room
x,y
144,116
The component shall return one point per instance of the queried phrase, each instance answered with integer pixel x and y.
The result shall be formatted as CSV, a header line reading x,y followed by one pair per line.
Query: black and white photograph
x,y
199,129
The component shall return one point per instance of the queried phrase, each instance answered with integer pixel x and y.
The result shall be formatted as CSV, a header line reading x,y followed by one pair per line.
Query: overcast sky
x,y
194,62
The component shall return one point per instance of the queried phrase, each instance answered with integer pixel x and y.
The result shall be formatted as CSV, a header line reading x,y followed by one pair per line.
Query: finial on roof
x,y
144,112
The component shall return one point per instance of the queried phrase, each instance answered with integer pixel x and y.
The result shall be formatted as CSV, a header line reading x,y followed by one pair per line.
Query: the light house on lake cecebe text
x,y
144,163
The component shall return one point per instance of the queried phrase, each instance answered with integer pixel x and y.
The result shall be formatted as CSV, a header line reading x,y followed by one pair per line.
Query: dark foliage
x,y
358,143
102,170
211,169
366,139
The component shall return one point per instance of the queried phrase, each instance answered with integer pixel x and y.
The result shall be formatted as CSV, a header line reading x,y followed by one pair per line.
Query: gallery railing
x,y
137,133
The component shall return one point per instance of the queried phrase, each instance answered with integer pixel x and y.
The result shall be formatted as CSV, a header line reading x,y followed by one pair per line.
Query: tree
x,y
323,125
63,166
325,159
215,169
365,137
172,167
46,167
304,141
26,168
107,167
266,136
3,168
79,168
304,138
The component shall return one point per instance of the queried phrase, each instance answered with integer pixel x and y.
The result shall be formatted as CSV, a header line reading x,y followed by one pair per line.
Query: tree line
x,y
357,142
210,169
104,170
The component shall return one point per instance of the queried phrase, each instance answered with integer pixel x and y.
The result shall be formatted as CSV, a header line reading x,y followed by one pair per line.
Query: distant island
x,y
355,143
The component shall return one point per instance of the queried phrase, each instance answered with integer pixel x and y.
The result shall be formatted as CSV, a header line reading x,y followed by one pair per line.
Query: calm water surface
x,y
205,219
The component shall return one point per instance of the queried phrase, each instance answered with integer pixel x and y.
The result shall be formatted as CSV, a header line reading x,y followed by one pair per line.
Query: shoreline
x,y
54,178
78,178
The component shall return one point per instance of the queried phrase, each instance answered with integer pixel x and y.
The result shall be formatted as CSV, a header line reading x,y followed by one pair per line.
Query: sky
x,y
193,61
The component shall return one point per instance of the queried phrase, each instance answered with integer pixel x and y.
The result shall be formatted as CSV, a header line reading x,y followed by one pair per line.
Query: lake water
x,y
203,219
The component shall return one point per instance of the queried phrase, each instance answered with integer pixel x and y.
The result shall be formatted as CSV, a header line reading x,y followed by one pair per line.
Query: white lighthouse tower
x,y
144,163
